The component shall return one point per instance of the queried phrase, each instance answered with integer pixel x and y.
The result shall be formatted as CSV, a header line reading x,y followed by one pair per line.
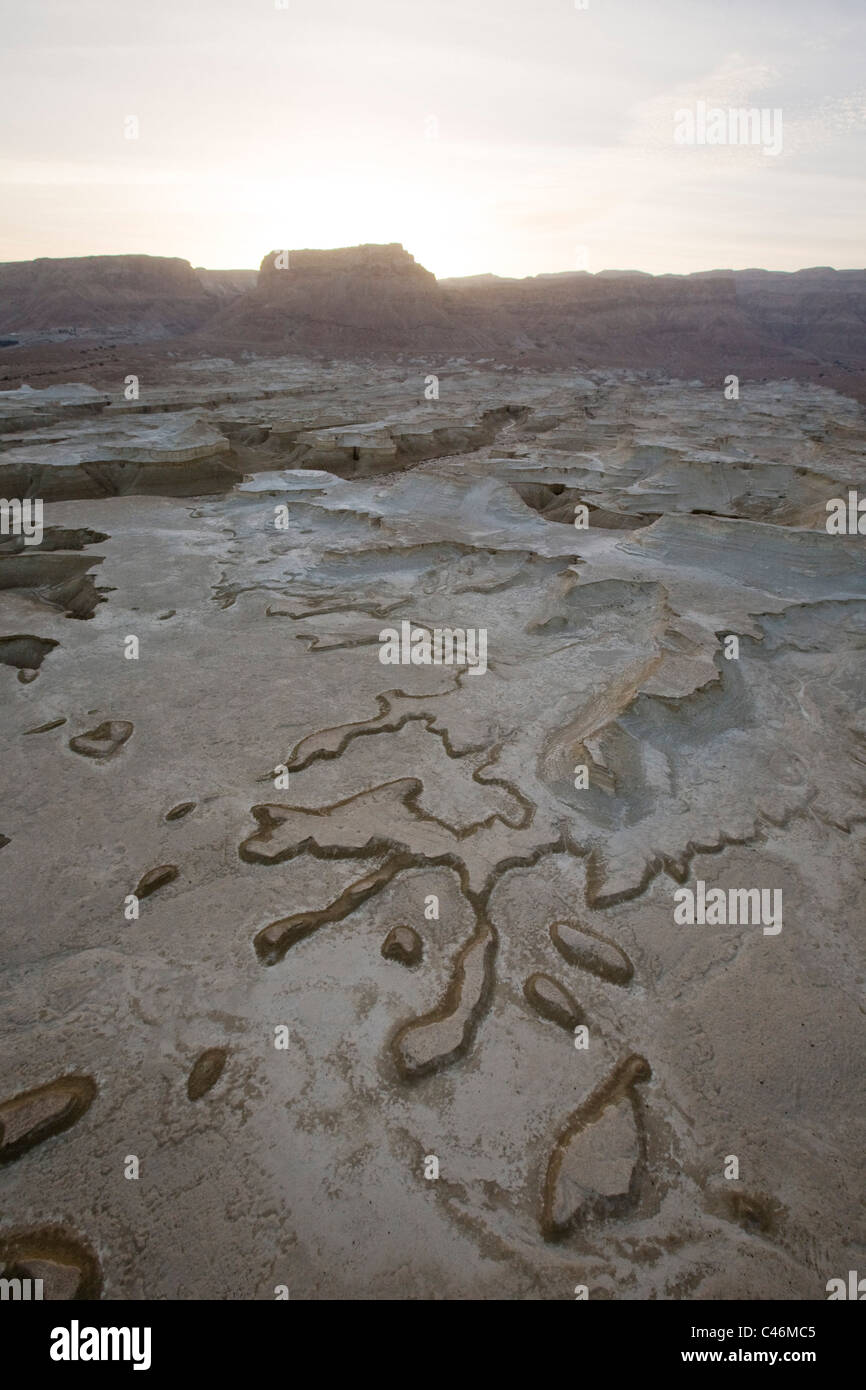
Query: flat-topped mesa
x,y
354,299
389,261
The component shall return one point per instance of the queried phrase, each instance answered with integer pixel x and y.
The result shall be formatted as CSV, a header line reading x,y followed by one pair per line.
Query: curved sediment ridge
x,y
103,741
553,1001
598,1157
404,945
36,1115
68,1267
436,1039
592,952
206,1072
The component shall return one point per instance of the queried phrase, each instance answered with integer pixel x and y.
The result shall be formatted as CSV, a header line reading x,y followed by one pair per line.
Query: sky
x,y
507,136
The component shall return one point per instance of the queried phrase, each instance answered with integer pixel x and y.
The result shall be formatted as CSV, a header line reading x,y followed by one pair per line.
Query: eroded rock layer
x,y
225,818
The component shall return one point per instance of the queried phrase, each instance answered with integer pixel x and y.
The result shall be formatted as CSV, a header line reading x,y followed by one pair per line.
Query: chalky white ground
x,y
304,1167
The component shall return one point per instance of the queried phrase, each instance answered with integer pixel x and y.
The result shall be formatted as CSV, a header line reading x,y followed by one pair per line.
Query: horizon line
x,y
471,275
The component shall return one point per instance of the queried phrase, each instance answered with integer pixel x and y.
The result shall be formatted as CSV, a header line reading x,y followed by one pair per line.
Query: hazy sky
x,y
513,136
